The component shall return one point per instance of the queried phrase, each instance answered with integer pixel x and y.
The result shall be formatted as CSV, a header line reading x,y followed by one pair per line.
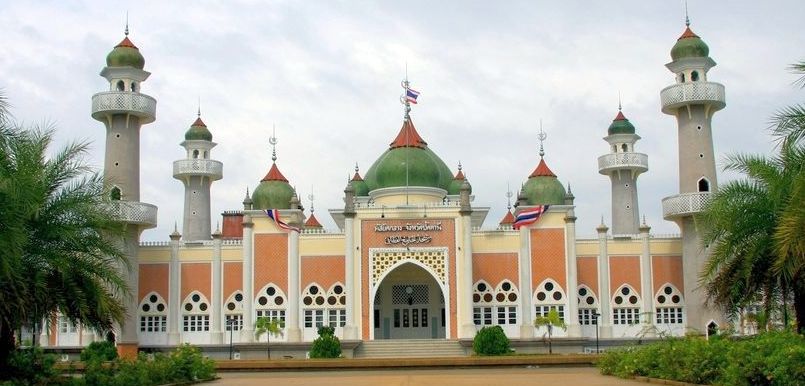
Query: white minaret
x,y
123,109
623,165
197,172
693,100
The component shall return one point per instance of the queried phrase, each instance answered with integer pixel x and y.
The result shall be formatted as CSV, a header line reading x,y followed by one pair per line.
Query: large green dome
x,y
198,131
424,167
543,188
274,191
125,54
689,45
621,125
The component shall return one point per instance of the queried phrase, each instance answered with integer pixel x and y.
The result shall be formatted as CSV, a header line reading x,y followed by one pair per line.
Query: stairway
x,y
409,348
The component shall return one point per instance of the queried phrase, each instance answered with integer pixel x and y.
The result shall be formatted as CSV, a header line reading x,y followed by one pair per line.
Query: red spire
x,y
199,122
542,170
274,174
408,137
620,116
688,34
508,219
357,177
126,43
312,222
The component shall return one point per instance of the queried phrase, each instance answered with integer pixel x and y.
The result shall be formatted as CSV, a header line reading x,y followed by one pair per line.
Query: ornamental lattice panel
x,y
385,259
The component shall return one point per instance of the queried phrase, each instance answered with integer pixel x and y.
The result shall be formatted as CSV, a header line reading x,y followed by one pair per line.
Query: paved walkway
x,y
586,376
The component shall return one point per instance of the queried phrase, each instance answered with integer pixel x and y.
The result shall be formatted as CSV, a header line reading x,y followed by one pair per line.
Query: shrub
x,y
326,345
187,363
99,351
31,366
491,341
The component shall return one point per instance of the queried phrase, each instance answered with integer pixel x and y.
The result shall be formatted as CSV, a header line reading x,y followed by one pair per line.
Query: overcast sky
x,y
328,73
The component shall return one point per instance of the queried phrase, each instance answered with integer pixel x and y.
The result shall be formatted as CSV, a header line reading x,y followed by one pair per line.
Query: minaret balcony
x,y
212,169
108,103
133,212
635,162
684,204
691,93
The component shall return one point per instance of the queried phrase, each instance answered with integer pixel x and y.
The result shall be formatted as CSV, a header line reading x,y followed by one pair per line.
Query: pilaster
x,y
217,336
247,333
174,284
604,287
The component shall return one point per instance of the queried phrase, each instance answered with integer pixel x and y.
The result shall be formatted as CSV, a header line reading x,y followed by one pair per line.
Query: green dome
x,y
198,131
455,184
125,54
543,188
621,125
361,189
689,45
425,168
274,191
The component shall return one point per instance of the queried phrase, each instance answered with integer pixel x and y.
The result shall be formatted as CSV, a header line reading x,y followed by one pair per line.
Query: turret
x,y
197,172
623,165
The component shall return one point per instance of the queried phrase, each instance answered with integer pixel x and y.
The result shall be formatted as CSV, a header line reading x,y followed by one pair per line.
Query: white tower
x,y
123,109
693,100
197,172
623,165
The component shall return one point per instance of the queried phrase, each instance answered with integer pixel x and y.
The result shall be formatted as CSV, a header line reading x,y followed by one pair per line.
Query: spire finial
x,y
126,30
199,107
409,96
356,167
620,106
175,226
687,18
509,195
542,136
311,197
273,141
459,165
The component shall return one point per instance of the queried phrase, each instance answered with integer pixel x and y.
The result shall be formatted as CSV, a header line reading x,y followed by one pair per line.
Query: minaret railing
x,y
677,95
685,204
201,167
124,102
615,161
133,212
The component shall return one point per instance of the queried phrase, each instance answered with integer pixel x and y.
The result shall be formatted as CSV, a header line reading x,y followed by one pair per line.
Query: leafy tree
x,y
268,326
59,249
755,225
327,345
491,340
550,321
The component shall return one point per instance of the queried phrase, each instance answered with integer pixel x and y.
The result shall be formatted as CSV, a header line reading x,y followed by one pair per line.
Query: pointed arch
x,y
626,306
669,305
549,296
233,312
153,313
703,185
588,305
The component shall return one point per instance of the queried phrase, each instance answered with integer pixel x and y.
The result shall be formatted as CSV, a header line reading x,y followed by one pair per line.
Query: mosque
x,y
409,259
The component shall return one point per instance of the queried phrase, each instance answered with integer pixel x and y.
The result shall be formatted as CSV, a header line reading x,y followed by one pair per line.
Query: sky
x,y
327,75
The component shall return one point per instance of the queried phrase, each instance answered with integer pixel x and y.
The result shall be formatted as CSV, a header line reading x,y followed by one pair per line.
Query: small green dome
x,y
543,188
424,168
198,131
125,54
359,185
274,191
689,45
621,125
458,181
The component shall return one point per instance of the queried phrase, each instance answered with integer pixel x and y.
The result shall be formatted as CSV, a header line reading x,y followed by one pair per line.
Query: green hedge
x,y
326,345
774,358
491,341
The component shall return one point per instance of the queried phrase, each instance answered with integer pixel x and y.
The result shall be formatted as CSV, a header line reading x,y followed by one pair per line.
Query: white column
x,y
467,329
217,335
605,320
247,334
527,310
174,292
646,281
572,314
352,327
292,317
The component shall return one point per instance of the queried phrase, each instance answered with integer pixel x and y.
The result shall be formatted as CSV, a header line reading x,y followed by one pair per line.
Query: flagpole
x,y
407,122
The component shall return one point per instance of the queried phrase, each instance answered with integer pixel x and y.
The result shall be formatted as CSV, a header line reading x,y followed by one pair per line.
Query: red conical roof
x,y
688,34
126,43
274,174
357,177
312,222
459,176
620,116
542,170
507,219
408,137
199,122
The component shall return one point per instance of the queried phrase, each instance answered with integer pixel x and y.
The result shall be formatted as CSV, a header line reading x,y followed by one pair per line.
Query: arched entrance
x,y
408,304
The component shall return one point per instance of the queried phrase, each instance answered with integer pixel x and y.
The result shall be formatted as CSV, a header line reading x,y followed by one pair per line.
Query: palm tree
x,y
268,326
58,242
550,321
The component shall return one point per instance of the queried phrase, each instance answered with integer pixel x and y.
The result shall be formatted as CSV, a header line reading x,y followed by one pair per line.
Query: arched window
x,y
588,306
626,306
319,304
233,312
153,313
549,296
712,329
121,86
114,194
196,316
494,307
195,154
625,148
205,154
668,303
704,185
694,76
134,87
270,303
682,78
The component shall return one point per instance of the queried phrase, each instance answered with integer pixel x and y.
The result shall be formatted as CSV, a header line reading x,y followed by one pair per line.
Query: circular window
x,y
500,297
146,308
230,306
270,291
506,286
343,300
196,298
618,300
487,297
582,291
262,300
661,299
188,307
481,287
319,300
557,295
314,290
238,297
512,297
338,290
701,155
153,299
541,296
278,300
307,300
331,300
476,298
675,299
202,306
625,290
590,300
548,286
633,299
160,307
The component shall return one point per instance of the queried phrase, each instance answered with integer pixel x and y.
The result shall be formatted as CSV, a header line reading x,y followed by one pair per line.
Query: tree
x,y
754,225
268,326
59,250
550,320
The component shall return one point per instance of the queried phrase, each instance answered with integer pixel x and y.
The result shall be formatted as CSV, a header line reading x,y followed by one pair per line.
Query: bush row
x,y
773,358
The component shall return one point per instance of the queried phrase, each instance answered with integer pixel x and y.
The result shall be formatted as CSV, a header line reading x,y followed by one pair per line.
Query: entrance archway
x,y
408,304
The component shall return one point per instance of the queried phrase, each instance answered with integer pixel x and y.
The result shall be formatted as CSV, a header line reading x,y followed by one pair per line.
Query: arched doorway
x,y
408,304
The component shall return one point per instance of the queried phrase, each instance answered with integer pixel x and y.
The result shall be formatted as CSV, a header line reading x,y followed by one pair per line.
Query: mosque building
x,y
410,259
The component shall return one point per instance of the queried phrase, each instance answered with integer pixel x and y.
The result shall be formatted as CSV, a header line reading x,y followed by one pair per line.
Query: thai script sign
x,y
406,240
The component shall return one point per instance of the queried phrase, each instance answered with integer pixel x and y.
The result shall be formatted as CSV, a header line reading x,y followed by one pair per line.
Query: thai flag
x,y
274,214
530,216
411,95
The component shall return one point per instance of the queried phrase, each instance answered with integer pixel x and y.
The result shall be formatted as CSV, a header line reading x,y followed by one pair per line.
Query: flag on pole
x,y
274,214
411,95
529,216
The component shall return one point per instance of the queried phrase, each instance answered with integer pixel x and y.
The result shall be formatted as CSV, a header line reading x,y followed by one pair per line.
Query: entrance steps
x,y
409,348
